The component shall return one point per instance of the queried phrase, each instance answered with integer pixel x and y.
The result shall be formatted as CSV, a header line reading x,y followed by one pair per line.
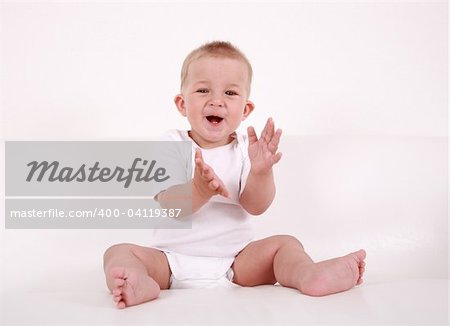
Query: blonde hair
x,y
216,49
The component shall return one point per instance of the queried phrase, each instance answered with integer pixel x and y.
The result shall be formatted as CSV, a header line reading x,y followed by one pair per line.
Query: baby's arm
x,y
204,185
259,190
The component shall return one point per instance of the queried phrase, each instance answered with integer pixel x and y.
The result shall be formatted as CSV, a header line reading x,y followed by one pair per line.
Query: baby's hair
x,y
216,49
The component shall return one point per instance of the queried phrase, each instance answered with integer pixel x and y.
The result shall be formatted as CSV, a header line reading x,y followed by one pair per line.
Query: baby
x,y
232,178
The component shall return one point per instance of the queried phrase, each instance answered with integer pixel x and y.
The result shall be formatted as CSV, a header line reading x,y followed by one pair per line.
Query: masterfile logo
x,y
83,168
54,172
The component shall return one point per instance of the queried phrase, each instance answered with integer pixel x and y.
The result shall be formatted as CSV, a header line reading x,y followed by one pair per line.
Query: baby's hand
x,y
205,180
263,152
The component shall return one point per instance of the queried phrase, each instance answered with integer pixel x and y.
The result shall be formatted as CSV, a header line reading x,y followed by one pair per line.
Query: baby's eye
x,y
202,90
231,93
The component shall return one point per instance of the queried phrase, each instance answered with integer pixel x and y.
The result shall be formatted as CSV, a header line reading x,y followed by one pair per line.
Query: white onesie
x,y
221,228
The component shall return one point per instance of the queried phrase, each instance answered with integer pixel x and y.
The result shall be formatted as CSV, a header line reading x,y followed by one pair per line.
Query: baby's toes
x,y
117,298
121,305
362,268
118,282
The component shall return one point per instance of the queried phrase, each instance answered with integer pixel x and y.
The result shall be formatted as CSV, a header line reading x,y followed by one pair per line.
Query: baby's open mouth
x,y
214,119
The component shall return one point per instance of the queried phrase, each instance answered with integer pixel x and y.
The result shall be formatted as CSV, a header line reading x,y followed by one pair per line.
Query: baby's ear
x,y
179,102
249,107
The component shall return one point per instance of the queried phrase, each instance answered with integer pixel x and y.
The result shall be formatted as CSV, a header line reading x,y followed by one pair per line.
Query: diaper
x,y
199,272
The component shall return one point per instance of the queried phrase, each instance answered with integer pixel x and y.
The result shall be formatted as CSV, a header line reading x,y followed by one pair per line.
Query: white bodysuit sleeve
x,y
178,158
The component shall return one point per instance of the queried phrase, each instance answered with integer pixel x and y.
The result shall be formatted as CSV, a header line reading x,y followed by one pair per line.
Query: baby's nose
x,y
216,102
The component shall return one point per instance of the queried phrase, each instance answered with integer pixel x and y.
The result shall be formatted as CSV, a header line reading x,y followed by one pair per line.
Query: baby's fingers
x,y
268,130
204,169
276,158
275,141
219,188
207,172
198,157
198,160
213,184
252,138
224,191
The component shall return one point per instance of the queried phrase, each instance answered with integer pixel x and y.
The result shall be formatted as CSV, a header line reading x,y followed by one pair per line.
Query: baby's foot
x,y
334,275
132,287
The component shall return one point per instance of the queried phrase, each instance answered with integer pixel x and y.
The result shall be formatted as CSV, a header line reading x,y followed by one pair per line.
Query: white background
x,y
359,88
110,70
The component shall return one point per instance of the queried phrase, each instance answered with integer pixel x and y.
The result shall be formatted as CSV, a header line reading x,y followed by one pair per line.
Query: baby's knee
x,y
114,249
288,240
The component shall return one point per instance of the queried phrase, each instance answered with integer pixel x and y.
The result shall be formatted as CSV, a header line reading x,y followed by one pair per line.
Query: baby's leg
x,y
135,274
282,259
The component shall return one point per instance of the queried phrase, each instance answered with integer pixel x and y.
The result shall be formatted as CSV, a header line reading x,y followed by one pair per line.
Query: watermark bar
x,y
92,214
56,184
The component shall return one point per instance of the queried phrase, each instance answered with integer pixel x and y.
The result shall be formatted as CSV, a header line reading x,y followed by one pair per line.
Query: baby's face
x,y
215,99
